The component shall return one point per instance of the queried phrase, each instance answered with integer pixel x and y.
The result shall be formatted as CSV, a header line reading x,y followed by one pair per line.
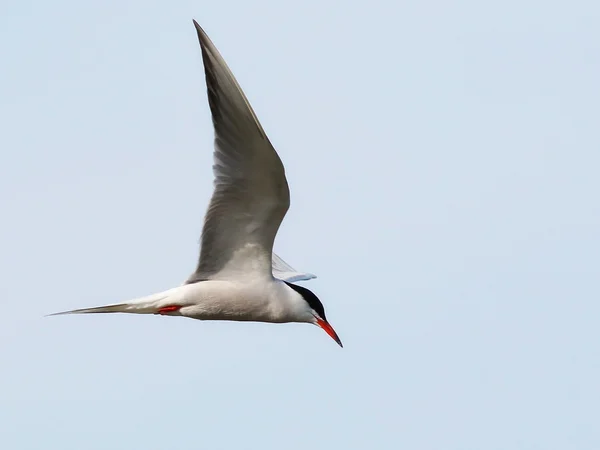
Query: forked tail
x,y
153,304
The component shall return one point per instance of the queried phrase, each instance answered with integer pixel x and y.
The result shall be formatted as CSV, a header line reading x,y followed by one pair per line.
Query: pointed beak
x,y
329,330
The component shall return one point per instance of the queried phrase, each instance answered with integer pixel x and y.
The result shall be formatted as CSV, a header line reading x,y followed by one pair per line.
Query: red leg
x,y
168,309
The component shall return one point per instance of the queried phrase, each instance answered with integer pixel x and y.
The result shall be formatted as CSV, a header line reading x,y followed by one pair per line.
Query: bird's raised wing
x,y
251,194
284,271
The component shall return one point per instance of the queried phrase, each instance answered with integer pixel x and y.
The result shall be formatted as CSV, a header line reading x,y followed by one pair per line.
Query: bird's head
x,y
316,310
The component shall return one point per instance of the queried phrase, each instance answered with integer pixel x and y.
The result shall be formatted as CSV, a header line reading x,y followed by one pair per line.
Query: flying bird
x,y
238,277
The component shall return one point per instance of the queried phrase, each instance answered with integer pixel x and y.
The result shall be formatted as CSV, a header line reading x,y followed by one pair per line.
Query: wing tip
x,y
202,36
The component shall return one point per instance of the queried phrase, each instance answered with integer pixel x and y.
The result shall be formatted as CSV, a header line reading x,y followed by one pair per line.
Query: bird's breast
x,y
225,300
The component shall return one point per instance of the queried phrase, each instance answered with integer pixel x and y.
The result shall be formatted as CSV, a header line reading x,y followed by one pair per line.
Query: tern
x,y
238,277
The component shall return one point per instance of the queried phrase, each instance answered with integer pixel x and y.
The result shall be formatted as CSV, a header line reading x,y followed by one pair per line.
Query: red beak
x,y
329,330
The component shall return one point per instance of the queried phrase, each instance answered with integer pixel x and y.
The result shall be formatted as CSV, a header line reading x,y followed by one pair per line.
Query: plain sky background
x,y
443,159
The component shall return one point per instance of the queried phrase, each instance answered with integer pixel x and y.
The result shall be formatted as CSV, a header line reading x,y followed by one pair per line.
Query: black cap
x,y
310,298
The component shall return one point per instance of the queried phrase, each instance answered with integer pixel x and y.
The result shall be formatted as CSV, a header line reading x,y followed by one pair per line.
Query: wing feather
x,y
285,272
251,194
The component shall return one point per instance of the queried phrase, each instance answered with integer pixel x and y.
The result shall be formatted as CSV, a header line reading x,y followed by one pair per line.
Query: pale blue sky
x,y
444,162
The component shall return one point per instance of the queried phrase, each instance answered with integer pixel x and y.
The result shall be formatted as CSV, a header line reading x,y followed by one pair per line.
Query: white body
x,y
269,300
